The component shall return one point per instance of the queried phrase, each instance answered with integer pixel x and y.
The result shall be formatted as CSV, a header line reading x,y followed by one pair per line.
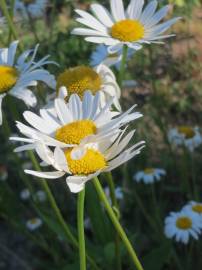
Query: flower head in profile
x,y
34,223
79,79
33,8
133,27
74,123
101,56
185,135
18,76
149,175
182,226
195,207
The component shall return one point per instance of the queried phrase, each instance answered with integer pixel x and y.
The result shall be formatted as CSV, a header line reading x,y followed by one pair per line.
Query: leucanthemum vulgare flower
x,y
79,79
195,207
25,194
34,223
149,175
183,225
131,27
101,56
17,77
73,123
35,8
118,193
185,135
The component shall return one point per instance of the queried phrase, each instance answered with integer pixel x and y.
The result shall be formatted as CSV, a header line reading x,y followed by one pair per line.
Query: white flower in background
x,y
195,207
102,56
185,135
131,27
79,79
3,173
40,196
183,225
35,8
18,76
87,224
149,175
25,194
34,223
118,193
76,122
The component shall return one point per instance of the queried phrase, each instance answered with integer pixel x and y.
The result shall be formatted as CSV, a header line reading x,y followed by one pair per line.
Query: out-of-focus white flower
x,y
183,225
35,8
17,77
34,223
3,173
149,175
132,27
185,135
25,194
118,193
195,207
40,196
79,79
87,224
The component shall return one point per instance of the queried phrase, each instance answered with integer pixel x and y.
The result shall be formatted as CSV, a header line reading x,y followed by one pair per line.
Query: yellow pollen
x,y
79,79
33,221
91,162
74,132
127,30
184,223
9,76
188,132
149,171
197,208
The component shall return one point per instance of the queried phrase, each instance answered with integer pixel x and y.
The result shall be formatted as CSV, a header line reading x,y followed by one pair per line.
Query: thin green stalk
x,y
32,26
80,227
57,212
116,206
155,204
123,65
9,20
12,5
116,224
194,182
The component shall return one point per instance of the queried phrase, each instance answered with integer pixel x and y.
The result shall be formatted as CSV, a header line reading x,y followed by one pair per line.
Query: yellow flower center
x,y
127,30
9,76
149,171
91,162
188,132
197,208
184,223
74,132
79,79
33,221
27,2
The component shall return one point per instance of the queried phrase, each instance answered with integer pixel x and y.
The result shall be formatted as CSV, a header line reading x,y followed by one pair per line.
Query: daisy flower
x,y
195,207
102,56
183,225
25,194
185,135
118,193
34,223
73,123
79,79
149,175
3,173
40,196
17,77
36,8
132,27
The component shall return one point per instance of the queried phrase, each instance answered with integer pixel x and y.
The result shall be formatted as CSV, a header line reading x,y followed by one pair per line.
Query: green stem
x,y
80,226
116,206
116,224
57,212
9,20
155,204
194,182
32,26
123,65
12,5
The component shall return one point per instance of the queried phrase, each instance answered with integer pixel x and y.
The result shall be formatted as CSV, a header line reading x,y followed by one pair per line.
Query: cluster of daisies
x,y
185,224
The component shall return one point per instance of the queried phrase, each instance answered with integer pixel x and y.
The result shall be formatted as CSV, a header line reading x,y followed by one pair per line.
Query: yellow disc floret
x,y
79,79
197,208
184,223
149,171
91,162
128,30
74,132
9,76
188,132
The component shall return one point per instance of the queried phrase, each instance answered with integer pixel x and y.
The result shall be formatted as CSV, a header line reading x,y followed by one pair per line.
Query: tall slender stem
x,y
123,65
57,212
116,224
80,227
